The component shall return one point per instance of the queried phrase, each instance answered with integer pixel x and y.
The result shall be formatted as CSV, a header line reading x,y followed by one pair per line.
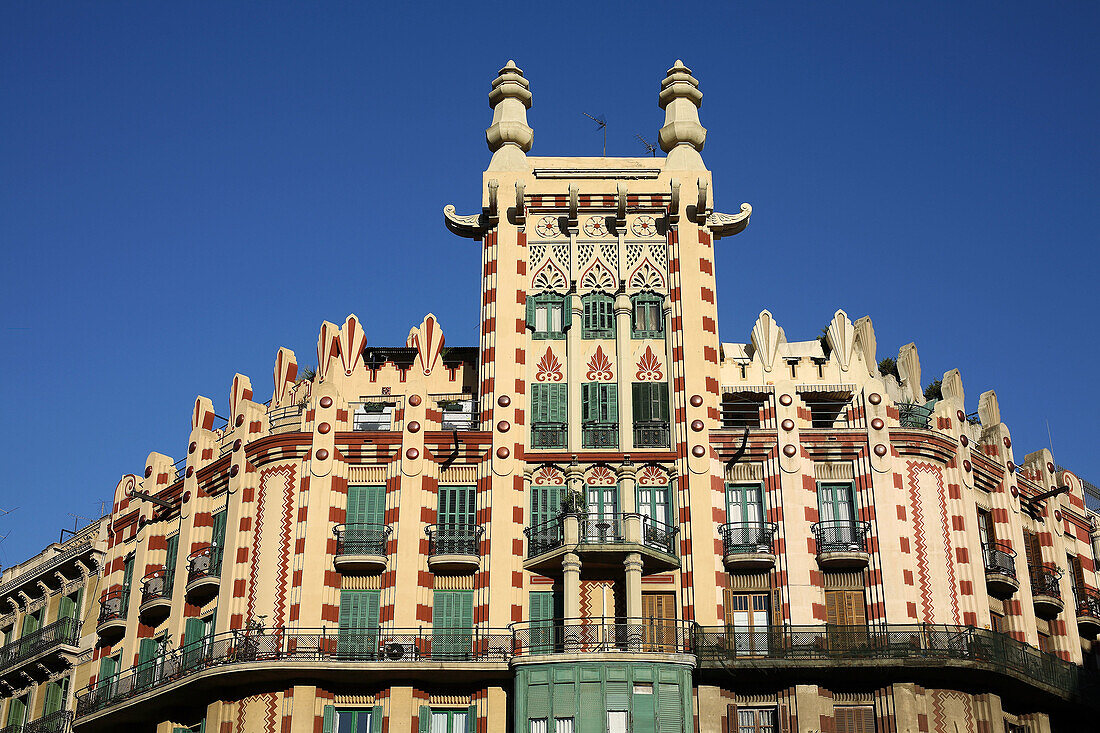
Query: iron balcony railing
x,y
156,584
841,536
730,644
600,435
382,645
1045,581
601,529
651,434
544,537
999,558
454,539
457,411
206,562
287,419
1088,603
57,722
658,535
113,604
602,634
912,415
362,538
745,538
548,435
65,631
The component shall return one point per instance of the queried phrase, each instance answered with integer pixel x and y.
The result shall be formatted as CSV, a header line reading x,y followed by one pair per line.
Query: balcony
x,y
600,435
361,548
547,436
286,419
156,596
1000,569
1088,612
371,656
912,415
747,546
374,414
603,541
841,545
1046,590
454,548
457,411
651,434
54,646
535,640
942,653
59,722
204,567
112,613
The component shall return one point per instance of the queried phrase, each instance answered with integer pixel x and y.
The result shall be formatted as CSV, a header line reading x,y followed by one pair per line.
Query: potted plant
x,y
573,502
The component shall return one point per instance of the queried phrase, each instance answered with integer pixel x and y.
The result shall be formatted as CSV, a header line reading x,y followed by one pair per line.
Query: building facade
x,y
523,535
49,604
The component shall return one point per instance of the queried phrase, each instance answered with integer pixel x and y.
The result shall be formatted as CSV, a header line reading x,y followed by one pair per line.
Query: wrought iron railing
x,y
731,644
601,529
156,585
743,538
286,419
1088,603
206,562
457,411
999,558
602,634
658,535
651,434
454,539
1045,581
62,631
600,435
544,537
912,415
57,722
548,435
382,645
362,538
113,604
841,536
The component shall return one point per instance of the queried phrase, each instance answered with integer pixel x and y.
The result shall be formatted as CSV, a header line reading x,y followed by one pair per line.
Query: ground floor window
x,y
449,720
855,719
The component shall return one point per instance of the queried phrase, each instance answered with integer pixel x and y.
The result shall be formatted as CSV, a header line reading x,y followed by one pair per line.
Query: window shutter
x,y
67,609
53,699
329,722
662,401
566,314
591,712
128,572
832,607
669,715
857,609
559,403
540,399
731,718
531,312
638,401
193,632
170,558
1078,574
471,719
611,400
425,719
617,695
218,531
588,400
376,719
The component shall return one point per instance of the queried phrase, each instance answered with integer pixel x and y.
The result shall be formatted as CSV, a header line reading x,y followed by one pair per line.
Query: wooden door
x,y
659,622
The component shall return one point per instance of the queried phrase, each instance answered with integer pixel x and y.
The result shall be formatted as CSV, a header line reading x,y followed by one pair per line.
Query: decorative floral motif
x,y
598,277
548,227
550,277
644,226
599,367
649,367
549,368
596,226
600,476
652,476
549,476
647,277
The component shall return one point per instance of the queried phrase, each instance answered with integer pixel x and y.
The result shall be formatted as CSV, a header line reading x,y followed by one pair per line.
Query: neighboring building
x,y
45,603
602,517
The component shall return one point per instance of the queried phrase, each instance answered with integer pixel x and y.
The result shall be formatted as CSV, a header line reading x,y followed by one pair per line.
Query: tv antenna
x,y
601,123
649,147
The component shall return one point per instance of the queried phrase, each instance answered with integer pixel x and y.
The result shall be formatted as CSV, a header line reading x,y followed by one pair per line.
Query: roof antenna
x,y
601,123
649,147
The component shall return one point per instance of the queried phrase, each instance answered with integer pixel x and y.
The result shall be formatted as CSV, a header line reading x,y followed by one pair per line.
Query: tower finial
x,y
682,136
509,137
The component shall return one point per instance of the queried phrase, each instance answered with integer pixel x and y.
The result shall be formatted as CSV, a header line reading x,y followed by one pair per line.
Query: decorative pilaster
x,y
622,346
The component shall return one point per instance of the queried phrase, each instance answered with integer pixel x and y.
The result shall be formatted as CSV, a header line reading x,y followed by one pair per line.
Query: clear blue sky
x,y
185,187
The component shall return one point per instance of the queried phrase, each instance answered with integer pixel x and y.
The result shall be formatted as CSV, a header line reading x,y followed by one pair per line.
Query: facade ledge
x,y
749,561
640,657
1047,606
364,564
843,560
454,563
1001,585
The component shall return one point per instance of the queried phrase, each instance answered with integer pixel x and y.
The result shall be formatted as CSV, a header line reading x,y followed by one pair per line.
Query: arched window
x,y
547,315
599,316
647,318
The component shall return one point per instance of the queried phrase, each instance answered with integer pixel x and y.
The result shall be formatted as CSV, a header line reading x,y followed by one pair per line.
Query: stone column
x,y
633,567
628,504
571,583
623,361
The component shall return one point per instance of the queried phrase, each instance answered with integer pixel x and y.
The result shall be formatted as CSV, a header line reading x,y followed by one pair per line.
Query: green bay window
x,y
599,316
647,317
548,315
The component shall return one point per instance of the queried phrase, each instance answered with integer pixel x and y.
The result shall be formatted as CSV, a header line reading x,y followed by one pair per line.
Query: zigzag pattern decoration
x,y
352,340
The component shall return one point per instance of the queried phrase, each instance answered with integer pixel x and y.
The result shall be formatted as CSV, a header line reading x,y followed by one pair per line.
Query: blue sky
x,y
186,187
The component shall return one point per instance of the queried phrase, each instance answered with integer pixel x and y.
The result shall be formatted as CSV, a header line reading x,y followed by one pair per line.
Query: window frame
x,y
598,316
548,302
647,298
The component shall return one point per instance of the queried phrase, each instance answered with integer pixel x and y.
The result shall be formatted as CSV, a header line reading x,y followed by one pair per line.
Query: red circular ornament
x,y
186,496
237,444
696,400
240,420
415,400
414,426
322,454
1058,514
785,400
961,415
234,470
1050,467
503,452
787,425
964,440
190,471
191,448
504,426
1008,442
504,400
877,423
326,401
323,428
967,466
697,425
790,451
412,454
874,398
148,471
698,451
1015,491
880,450
1011,467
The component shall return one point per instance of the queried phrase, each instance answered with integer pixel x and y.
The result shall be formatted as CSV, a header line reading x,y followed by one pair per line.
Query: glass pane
x,y
458,722
616,721
540,318
439,722
555,318
563,725
537,725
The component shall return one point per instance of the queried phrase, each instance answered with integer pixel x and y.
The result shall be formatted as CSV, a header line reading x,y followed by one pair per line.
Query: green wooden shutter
x,y
425,719
639,402
53,699
67,608
376,719
17,711
540,403
559,403
170,558
194,630
147,652
328,724
562,700
591,712
670,717
456,505
531,312
218,535
542,613
31,624
610,399
566,313
452,624
127,581
644,715
662,412
471,720
589,406
358,637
